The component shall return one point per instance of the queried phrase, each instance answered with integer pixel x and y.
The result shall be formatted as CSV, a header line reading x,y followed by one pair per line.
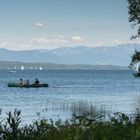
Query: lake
x,y
116,90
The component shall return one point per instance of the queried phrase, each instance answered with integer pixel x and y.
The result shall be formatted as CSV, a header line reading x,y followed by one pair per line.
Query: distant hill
x,y
8,65
117,55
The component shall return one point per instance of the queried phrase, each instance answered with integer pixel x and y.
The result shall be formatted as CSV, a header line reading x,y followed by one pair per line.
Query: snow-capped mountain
x,y
115,55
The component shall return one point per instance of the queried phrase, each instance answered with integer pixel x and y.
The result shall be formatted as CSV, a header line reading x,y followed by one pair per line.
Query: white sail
x,y
137,68
22,67
40,68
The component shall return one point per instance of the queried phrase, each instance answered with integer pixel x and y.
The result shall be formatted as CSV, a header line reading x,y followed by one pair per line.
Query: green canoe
x,y
27,86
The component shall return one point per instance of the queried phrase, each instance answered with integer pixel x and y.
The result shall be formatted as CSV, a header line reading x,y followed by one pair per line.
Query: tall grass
x,y
81,107
84,126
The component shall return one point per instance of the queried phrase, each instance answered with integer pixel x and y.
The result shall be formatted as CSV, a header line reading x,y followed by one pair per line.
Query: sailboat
x,y
137,68
22,67
40,68
12,71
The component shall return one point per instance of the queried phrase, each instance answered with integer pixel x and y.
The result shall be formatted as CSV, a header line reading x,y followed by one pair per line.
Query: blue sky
x,y
48,24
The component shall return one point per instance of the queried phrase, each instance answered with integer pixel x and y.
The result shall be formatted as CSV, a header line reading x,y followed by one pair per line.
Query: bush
x,y
82,127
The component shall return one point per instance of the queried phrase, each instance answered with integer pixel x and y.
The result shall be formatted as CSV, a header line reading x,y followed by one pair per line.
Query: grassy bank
x,y
81,127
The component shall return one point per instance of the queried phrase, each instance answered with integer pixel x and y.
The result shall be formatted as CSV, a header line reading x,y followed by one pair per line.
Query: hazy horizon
x,y
49,24
79,46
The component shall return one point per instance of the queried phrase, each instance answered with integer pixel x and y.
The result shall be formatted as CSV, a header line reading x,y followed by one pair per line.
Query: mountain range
x,y
111,55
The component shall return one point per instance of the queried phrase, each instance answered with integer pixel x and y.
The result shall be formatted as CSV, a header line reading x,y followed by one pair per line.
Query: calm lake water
x,y
116,90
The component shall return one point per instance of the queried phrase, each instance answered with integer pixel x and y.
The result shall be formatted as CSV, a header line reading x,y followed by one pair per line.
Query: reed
x,y
81,127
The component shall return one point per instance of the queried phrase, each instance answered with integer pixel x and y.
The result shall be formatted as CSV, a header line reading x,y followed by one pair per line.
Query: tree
x,y
134,15
134,18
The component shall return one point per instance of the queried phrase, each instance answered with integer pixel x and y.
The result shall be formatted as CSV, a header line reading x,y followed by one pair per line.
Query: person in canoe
x,y
37,81
21,82
27,82
24,82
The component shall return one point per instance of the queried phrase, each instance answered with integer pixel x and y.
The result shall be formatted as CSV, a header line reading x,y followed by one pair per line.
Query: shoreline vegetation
x,y
86,123
8,65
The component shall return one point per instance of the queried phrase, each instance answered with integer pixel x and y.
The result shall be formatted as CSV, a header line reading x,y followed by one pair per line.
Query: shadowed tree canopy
x,y
134,18
134,15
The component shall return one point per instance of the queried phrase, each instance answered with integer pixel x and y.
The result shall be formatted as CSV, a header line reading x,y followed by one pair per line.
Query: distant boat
x,y
22,67
28,86
12,71
40,68
137,68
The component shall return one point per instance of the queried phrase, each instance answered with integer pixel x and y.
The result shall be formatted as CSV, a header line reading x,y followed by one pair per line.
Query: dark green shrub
x,y
84,127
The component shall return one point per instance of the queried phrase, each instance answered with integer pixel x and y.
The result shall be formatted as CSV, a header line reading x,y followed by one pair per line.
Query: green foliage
x,y
134,60
118,127
135,57
134,15
134,18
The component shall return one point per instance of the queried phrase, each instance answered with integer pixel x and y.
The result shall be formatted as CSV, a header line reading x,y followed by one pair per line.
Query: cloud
x,y
45,40
76,38
114,42
38,24
56,40
41,40
15,45
60,41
